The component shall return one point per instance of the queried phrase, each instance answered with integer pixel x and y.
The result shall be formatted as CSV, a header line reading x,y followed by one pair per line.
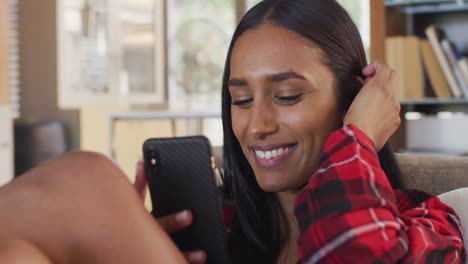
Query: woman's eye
x,y
242,102
288,99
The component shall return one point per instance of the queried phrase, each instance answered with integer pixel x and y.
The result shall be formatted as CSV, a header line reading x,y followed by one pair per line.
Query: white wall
x,y
6,145
6,139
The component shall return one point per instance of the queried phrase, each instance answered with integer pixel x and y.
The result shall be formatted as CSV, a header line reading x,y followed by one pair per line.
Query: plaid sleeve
x,y
348,213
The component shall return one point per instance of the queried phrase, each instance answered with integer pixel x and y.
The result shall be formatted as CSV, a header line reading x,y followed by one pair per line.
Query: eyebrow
x,y
277,77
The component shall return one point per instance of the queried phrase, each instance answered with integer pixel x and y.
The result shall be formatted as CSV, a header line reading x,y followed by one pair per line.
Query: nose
x,y
263,121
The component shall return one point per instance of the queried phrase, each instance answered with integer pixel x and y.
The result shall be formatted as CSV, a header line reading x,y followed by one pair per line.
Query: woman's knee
x,y
74,169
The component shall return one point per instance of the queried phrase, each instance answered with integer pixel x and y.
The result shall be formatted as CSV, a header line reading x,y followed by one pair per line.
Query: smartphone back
x,y
180,176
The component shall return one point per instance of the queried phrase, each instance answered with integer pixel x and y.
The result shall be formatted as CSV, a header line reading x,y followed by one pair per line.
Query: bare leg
x,y
18,251
80,208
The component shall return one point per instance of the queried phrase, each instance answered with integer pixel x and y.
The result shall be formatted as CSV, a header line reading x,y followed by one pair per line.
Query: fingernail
x,y
182,216
196,256
137,168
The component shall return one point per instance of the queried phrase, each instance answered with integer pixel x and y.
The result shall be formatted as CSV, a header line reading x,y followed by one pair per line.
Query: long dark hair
x,y
260,229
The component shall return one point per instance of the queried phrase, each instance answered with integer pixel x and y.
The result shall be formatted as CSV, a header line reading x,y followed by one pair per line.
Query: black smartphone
x,y
180,174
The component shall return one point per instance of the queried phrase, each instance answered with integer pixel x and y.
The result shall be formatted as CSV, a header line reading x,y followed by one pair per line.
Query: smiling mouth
x,y
272,157
269,154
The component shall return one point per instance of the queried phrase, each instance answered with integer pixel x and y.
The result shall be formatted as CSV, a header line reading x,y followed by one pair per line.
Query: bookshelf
x,y
392,18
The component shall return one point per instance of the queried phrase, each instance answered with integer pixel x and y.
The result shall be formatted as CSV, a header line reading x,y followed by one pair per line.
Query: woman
x,y
300,61
293,150
292,71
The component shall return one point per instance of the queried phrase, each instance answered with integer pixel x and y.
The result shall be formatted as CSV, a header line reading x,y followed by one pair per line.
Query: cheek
x,y
313,122
239,124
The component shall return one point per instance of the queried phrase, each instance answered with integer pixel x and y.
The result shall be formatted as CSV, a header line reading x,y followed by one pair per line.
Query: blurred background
x,y
104,75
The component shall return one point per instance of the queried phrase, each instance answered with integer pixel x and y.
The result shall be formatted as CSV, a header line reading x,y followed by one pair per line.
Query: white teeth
x,y
260,154
280,151
272,153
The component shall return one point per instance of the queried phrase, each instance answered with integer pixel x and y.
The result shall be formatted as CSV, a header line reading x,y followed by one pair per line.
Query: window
x,y
199,33
251,3
137,22
111,52
359,10
13,59
198,39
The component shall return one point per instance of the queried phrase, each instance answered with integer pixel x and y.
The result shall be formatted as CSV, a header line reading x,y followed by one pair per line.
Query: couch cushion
x,y
434,174
457,200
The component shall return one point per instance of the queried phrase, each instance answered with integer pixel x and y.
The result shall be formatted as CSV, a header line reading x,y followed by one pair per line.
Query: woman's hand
x,y
170,223
376,108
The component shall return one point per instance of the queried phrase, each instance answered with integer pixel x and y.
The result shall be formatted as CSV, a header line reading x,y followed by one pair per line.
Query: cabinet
x,y
407,17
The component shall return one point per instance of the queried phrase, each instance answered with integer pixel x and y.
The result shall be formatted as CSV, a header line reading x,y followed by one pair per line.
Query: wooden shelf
x,y
434,101
421,2
439,8
435,105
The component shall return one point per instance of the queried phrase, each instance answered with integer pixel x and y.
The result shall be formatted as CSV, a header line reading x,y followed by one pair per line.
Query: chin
x,y
276,186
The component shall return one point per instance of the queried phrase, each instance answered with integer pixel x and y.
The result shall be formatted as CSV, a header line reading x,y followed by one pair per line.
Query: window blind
x,y
14,64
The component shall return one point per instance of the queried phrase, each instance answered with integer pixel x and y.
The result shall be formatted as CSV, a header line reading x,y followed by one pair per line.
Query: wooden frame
x,y
241,9
378,30
160,61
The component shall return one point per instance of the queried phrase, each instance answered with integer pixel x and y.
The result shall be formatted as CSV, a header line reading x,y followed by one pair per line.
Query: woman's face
x,y
284,105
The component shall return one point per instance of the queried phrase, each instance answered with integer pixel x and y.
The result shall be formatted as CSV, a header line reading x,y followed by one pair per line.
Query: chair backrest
x,y
38,142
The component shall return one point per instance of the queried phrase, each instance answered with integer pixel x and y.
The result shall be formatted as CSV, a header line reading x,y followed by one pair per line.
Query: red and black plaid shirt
x,y
349,213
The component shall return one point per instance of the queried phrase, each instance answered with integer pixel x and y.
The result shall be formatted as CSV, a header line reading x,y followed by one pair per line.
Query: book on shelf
x,y
394,60
403,55
414,76
452,56
434,72
434,37
463,65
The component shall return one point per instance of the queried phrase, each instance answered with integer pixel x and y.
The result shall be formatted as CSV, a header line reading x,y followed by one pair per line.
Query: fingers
x,y
369,70
376,109
195,257
176,222
377,72
140,180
